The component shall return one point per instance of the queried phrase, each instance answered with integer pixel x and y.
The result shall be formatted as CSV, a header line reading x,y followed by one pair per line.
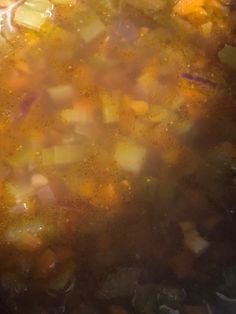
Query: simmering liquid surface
x,y
117,156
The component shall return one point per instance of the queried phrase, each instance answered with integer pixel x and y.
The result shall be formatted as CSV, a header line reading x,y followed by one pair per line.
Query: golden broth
x,y
117,156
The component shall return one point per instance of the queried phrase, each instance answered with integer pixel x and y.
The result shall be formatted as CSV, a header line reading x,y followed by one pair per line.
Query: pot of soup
x,y
117,156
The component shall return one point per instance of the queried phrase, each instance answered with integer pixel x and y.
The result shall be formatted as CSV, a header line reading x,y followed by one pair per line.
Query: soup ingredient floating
x,y
33,14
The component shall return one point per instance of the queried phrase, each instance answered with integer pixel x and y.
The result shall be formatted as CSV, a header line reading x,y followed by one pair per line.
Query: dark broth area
x,y
118,158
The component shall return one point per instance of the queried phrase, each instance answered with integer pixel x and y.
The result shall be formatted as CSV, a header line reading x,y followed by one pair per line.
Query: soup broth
x,y
117,156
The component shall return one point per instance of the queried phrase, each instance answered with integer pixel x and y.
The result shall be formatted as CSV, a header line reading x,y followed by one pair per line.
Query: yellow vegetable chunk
x,y
28,18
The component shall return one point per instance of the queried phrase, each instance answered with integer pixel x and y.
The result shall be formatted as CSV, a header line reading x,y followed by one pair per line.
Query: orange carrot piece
x,y
186,7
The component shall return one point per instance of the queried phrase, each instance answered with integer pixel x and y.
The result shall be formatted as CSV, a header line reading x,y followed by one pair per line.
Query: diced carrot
x,y
139,107
186,7
87,188
106,196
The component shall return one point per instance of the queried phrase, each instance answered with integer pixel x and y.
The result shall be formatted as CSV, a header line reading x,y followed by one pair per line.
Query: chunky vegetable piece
x,y
129,156
33,13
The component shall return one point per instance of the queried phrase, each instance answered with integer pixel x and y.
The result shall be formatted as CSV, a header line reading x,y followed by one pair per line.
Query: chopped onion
x,y
198,79
25,107
130,156
38,180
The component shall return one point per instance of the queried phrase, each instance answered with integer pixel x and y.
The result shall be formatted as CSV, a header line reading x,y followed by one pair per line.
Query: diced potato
x,y
38,180
130,156
61,94
91,27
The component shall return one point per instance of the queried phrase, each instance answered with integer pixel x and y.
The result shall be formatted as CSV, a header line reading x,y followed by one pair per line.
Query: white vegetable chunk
x,y
130,156
38,180
91,27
